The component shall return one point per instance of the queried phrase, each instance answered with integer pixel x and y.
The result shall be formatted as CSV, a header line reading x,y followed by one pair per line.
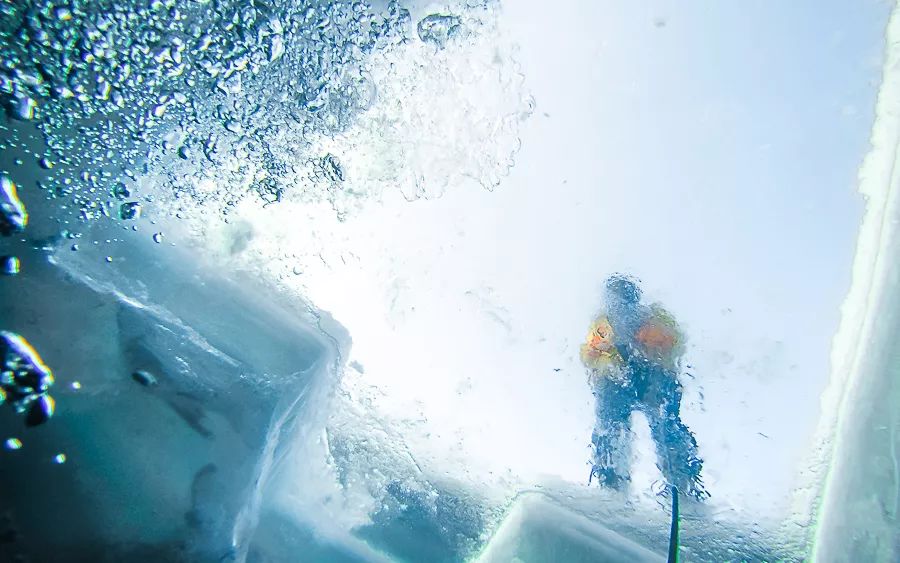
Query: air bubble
x,y
9,265
13,217
121,191
129,211
23,108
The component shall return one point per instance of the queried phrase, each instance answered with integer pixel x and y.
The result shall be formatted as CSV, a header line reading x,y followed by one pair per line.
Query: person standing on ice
x,y
633,352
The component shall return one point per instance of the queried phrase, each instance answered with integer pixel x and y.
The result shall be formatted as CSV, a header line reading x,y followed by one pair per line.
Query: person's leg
x,y
676,447
612,435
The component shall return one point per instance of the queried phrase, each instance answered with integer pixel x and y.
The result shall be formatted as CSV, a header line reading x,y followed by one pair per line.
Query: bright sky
x,y
711,149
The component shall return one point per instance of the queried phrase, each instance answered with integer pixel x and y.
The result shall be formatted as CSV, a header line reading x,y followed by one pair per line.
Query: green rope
x,y
673,530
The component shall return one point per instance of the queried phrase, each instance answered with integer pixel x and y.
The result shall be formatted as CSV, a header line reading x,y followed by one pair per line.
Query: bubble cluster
x,y
191,108
117,88
145,378
437,29
25,380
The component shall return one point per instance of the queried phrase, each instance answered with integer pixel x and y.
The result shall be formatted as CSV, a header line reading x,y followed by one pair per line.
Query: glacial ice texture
x,y
312,276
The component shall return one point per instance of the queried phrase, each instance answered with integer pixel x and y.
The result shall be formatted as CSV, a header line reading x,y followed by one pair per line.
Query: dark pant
x,y
656,392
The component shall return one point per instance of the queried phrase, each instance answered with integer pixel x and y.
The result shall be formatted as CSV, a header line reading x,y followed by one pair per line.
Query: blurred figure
x,y
632,352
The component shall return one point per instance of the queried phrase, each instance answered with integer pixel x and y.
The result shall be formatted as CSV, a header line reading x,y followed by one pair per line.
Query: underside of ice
x,y
308,281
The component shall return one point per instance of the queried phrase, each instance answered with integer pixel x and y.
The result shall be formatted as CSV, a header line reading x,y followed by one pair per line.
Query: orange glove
x,y
656,339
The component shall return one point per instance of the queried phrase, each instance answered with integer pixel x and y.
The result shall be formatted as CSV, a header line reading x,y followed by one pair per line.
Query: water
x,y
312,277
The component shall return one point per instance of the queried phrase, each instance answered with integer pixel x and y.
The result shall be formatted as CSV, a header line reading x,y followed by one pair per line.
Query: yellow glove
x,y
598,351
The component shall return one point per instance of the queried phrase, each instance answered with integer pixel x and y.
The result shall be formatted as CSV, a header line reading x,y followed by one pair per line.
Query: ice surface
x,y
175,469
536,529
859,510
